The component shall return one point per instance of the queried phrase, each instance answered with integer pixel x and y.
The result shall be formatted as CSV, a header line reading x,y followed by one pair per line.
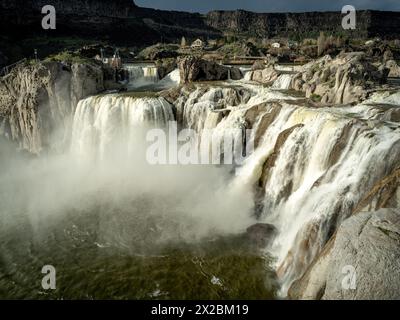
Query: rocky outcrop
x,y
265,76
37,101
361,262
165,66
384,194
343,80
194,69
394,69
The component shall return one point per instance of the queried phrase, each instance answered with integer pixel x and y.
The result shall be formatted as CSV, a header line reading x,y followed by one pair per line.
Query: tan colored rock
x,y
361,262
394,69
44,93
346,79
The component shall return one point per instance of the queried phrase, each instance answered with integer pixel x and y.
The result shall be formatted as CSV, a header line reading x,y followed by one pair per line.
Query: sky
x,y
268,5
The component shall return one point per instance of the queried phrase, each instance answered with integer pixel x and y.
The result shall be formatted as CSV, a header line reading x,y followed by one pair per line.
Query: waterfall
x,y
311,166
312,181
151,73
283,82
247,75
102,122
141,75
171,79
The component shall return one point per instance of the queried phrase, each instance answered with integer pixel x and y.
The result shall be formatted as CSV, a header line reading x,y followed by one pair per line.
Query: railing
x,y
6,70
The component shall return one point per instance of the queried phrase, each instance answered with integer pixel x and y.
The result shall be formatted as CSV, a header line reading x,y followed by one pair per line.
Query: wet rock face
x,y
260,235
385,194
195,69
35,99
367,246
165,66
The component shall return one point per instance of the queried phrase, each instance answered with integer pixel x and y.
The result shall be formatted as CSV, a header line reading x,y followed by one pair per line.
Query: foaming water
x,y
141,75
308,171
104,217
283,82
327,162
103,122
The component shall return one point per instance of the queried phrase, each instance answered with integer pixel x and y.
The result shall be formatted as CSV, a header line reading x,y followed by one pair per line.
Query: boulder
x,y
362,262
196,69
394,69
258,65
236,73
265,76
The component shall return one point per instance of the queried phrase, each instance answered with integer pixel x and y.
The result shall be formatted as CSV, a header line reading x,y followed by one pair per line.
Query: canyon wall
x,y
122,21
265,25
118,21
38,101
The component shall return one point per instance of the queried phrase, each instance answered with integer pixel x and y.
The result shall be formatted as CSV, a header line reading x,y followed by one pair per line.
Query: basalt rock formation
x,y
39,99
267,25
122,22
195,69
117,21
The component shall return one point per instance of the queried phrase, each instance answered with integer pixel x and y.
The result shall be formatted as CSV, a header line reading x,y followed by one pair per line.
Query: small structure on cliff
x,y
198,44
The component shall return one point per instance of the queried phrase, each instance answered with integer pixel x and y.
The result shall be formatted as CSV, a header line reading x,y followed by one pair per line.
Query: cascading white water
x,y
141,75
171,79
322,170
283,82
102,122
329,159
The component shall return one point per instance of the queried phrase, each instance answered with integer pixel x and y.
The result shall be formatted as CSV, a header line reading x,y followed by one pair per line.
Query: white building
x,y
198,44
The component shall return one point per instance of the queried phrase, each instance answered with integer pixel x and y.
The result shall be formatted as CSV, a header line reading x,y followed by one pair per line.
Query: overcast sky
x,y
268,5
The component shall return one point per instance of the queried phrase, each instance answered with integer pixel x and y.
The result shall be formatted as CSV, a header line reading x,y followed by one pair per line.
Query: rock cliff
x,y
366,251
37,102
266,25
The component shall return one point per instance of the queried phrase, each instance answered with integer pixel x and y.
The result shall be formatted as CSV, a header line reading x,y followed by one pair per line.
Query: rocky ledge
x,y
36,98
193,69
361,262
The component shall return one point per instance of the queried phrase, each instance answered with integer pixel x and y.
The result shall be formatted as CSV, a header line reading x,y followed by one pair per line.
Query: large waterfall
x,y
101,122
313,166
304,171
